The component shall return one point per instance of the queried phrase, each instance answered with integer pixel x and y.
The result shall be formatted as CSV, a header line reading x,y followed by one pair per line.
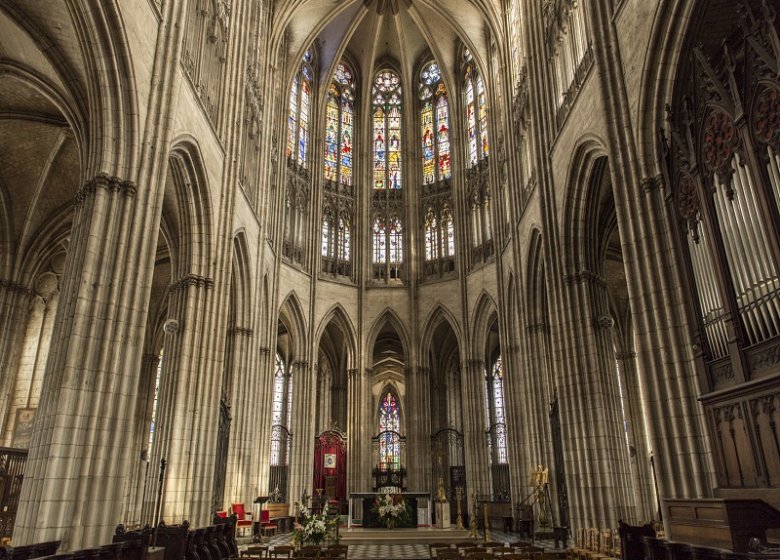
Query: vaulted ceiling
x,y
369,32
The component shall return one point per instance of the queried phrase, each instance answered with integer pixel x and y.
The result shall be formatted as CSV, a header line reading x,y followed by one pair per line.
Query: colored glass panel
x,y
331,136
431,235
343,74
394,148
326,236
346,142
345,248
428,160
448,228
483,123
292,119
431,74
389,427
380,242
303,133
396,241
471,123
443,136
380,147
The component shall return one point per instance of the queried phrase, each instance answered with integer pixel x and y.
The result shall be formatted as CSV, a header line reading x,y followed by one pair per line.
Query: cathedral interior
x,y
274,247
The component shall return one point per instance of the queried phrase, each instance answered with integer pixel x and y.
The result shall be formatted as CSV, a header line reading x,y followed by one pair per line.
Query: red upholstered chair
x,y
244,519
267,527
222,514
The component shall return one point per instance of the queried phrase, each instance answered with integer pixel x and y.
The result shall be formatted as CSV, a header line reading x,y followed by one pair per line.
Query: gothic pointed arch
x,y
292,323
390,318
585,168
436,317
337,316
484,308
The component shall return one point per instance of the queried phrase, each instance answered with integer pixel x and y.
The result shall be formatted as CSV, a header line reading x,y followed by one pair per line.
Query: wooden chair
x,y
482,555
491,544
448,554
244,519
337,550
502,550
282,551
255,552
310,551
472,550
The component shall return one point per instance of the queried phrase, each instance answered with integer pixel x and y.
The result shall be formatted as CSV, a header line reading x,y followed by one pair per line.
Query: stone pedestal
x,y
442,515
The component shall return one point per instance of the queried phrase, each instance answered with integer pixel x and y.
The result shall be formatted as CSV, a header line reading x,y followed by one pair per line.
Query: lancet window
x,y
297,154
477,152
389,433
387,208
281,417
567,40
495,411
436,198
338,193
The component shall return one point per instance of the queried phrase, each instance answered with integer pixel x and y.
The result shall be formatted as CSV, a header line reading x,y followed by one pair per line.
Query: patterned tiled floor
x,y
403,551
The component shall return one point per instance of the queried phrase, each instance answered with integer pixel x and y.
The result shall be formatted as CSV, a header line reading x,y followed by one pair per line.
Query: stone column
x,y
474,436
140,460
302,428
639,456
261,417
80,451
591,421
355,443
418,429
189,405
14,302
247,394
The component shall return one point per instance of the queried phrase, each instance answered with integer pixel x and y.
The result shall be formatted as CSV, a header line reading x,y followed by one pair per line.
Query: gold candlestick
x,y
458,496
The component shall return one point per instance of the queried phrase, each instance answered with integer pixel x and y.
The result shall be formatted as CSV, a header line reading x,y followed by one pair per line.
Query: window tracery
x,y
338,193
297,154
387,208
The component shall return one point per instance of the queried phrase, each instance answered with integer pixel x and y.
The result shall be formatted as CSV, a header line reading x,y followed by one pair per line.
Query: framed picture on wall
x,y
23,427
330,461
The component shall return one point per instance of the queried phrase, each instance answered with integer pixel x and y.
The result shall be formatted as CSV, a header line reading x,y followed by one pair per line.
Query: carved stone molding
x,y
193,280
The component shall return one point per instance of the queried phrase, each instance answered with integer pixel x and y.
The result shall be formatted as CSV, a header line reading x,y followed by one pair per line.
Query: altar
x,y
361,512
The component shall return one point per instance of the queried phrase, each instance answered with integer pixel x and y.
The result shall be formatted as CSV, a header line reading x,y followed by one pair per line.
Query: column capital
x,y
107,183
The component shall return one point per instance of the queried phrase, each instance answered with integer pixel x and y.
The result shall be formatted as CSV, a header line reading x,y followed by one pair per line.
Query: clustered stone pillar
x,y
474,436
302,428
418,429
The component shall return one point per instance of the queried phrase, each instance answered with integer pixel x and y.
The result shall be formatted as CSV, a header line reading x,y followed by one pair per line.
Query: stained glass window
x,y
345,247
155,403
431,237
339,127
429,156
471,121
389,428
448,231
497,418
380,241
396,241
476,115
282,395
386,97
326,235
331,135
338,164
299,112
435,125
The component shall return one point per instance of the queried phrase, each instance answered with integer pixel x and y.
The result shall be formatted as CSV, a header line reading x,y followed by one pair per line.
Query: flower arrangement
x,y
311,528
392,510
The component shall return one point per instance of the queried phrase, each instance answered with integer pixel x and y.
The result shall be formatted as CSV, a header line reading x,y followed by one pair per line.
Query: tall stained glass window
x,y
435,125
496,415
477,145
387,158
281,413
338,171
386,102
298,114
339,126
389,433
